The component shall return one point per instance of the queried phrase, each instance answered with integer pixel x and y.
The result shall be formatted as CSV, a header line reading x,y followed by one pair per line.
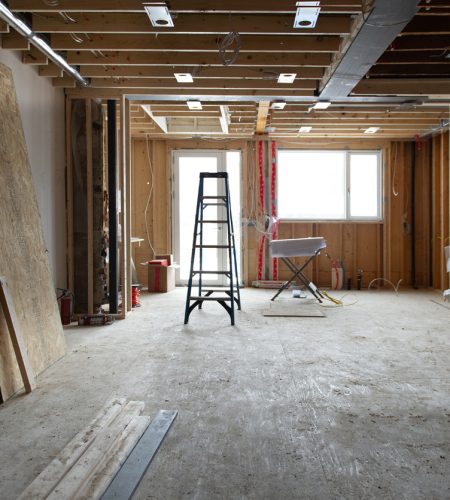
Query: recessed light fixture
x,y
159,14
307,14
371,130
183,77
322,105
287,77
278,105
194,104
305,130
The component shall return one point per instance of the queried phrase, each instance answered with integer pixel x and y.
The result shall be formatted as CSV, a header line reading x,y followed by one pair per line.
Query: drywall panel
x,y
42,109
24,259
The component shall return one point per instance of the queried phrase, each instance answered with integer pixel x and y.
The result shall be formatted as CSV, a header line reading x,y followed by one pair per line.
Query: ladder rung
x,y
213,221
211,298
220,290
211,272
215,204
214,197
212,246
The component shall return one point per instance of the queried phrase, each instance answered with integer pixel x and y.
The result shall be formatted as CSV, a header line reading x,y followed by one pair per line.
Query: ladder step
x,y
212,246
210,272
211,298
214,197
213,221
215,204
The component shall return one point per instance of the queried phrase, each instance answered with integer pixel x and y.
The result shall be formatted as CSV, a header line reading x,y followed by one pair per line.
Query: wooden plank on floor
x,y
15,333
110,463
43,485
89,463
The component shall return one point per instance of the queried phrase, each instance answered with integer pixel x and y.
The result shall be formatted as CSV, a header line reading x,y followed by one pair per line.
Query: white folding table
x,y
299,247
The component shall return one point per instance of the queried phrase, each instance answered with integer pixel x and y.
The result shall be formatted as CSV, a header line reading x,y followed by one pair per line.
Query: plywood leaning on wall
x,y
24,261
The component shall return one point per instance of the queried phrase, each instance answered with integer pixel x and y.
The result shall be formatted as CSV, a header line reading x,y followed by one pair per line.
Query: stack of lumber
x,y
86,466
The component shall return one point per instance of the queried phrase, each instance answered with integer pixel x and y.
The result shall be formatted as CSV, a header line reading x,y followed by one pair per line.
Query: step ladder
x,y
230,295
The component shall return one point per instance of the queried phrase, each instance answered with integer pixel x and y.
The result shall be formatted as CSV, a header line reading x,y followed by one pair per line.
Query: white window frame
x,y
348,218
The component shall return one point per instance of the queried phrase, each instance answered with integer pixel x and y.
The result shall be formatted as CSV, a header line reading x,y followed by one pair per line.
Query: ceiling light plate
x,y
371,130
278,105
158,14
184,77
322,105
287,77
194,105
305,130
307,15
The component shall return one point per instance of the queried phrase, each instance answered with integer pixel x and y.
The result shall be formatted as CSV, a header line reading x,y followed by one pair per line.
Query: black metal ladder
x,y
230,295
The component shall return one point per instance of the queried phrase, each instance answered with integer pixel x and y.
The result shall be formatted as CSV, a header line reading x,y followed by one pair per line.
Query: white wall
x,y
42,109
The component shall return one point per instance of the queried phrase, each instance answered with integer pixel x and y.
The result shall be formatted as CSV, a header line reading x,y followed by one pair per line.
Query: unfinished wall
x,y
24,260
42,111
380,249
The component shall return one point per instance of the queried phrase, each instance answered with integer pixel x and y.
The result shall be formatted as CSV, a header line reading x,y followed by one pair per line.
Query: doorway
x,y
187,166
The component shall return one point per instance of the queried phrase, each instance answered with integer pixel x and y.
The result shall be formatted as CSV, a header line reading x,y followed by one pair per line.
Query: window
x,y
329,185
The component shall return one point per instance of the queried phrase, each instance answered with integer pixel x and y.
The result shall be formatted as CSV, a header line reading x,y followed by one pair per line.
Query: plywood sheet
x,y
24,261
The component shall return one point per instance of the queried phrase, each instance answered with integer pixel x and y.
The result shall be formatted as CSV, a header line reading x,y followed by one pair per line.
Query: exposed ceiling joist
x,y
261,120
180,6
193,59
188,23
200,43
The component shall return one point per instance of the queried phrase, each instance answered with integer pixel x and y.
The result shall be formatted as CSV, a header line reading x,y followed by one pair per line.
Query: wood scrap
x,y
15,333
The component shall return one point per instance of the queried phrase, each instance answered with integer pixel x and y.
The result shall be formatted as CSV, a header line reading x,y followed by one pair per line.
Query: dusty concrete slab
x,y
354,405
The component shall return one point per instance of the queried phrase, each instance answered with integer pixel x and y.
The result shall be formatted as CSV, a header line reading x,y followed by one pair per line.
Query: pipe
x,y
112,209
22,28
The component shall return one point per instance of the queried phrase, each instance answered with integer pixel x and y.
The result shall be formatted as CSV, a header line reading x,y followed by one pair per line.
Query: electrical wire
x,y
394,174
233,38
150,194
337,302
387,281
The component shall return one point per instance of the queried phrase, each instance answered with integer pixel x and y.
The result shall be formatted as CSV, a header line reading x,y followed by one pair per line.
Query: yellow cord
x,y
336,302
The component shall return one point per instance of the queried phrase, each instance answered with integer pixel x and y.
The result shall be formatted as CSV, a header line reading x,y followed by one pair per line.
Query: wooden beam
x,y
205,83
414,57
34,57
411,42
406,87
201,43
219,72
188,23
126,58
4,27
15,333
263,112
433,25
419,70
90,208
14,41
64,81
69,196
178,6
51,70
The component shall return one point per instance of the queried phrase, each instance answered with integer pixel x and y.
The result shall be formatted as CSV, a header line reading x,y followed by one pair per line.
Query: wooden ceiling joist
x,y
193,59
189,24
180,6
200,73
195,43
113,44
406,87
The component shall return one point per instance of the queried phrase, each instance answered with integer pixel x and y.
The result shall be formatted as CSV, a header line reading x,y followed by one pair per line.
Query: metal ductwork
x,y
380,27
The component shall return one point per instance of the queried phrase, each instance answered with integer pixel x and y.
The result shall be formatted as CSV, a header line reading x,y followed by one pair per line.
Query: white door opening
x,y
187,166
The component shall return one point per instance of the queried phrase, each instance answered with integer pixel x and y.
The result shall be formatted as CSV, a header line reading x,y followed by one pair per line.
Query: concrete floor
x,y
355,405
